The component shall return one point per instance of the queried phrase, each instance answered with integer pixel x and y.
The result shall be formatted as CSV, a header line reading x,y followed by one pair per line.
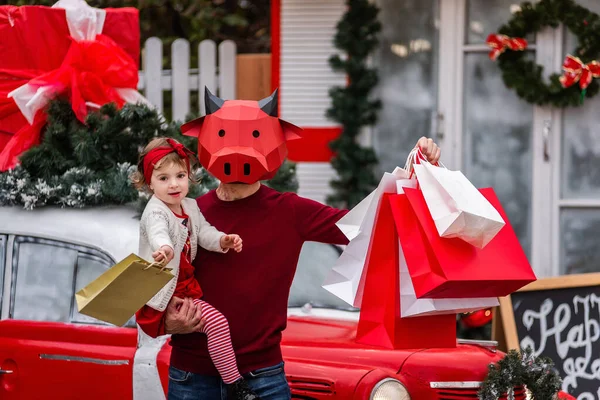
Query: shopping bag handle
x,y
162,264
416,156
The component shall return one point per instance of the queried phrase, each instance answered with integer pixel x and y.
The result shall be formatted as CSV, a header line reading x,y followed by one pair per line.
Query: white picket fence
x,y
216,70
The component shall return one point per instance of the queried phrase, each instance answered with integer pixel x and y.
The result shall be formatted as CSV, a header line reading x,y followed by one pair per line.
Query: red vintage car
x,y
50,351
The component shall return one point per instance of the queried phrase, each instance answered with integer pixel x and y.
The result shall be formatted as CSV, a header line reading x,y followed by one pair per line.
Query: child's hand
x,y
160,254
231,242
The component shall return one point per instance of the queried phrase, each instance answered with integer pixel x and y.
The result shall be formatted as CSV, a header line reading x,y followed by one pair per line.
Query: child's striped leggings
x,y
220,348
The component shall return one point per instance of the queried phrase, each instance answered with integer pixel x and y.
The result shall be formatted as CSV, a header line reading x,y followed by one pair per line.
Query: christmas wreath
x,y
526,77
537,375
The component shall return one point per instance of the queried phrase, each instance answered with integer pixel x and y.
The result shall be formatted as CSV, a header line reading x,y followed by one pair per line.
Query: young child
x,y
171,227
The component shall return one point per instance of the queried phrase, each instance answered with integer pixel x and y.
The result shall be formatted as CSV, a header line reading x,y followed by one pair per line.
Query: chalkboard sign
x,y
558,318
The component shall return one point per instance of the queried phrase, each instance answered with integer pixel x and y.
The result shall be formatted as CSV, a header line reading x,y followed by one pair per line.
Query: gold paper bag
x,y
116,295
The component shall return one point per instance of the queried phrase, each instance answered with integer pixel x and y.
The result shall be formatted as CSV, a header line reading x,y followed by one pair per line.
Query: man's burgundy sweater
x,y
251,288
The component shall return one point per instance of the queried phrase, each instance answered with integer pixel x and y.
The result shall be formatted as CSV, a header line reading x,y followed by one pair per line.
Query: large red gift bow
x,y
90,72
28,53
452,268
380,323
576,71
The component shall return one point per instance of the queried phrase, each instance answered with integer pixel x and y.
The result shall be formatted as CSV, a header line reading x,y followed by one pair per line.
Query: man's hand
x,y
231,242
165,252
430,150
182,316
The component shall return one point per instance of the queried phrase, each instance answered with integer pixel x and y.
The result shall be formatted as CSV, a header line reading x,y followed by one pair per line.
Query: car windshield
x,y
316,260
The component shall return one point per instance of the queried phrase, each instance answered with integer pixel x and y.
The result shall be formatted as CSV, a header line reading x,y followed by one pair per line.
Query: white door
x,y
576,175
544,164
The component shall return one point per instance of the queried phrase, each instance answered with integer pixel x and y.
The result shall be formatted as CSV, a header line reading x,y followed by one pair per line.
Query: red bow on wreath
x,y
499,44
576,70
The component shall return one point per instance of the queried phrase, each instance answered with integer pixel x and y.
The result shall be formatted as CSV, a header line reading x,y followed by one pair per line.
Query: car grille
x,y
305,388
455,393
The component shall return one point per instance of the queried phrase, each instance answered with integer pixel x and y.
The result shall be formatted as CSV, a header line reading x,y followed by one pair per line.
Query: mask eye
x,y
222,133
256,133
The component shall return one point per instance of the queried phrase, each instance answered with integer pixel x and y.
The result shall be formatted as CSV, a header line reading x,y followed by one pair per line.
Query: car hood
x,y
314,339
319,340
440,365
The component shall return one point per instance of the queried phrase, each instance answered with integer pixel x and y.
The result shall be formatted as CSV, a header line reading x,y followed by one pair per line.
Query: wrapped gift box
x,y
35,39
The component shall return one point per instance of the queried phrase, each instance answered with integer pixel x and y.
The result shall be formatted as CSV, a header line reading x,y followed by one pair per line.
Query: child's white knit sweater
x,y
159,226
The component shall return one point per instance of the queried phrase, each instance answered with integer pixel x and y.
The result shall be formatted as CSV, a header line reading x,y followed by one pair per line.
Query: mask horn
x,y
269,104
211,102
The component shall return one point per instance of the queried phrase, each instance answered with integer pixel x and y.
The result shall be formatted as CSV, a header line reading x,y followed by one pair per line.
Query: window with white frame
x,y
543,163
576,208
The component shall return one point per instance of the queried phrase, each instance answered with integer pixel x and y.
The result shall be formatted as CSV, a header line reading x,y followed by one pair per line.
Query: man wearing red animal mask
x,y
241,143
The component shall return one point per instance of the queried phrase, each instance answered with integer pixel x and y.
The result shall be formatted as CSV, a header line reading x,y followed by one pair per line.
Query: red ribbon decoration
x,y
156,154
577,71
90,72
500,43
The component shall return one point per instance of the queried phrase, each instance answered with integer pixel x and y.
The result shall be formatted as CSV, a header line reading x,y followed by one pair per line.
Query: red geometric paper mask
x,y
241,140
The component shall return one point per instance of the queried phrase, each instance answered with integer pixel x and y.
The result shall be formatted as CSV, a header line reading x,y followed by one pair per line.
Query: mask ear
x,y
290,131
269,104
193,127
212,103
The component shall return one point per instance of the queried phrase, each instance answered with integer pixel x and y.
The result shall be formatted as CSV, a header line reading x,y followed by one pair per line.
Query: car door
x,y
47,349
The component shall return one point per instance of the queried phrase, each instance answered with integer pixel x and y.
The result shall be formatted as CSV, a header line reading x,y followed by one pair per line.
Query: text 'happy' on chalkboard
x,y
558,318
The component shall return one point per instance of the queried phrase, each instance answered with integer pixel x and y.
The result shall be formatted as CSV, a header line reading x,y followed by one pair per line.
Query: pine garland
x,y
537,375
525,76
108,137
79,165
77,187
357,38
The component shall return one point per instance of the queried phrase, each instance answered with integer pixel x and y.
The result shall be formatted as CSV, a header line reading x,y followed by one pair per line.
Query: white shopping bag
x,y
346,278
458,209
411,306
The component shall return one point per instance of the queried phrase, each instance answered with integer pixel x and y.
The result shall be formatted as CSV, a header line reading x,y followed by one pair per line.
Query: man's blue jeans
x,y
269,383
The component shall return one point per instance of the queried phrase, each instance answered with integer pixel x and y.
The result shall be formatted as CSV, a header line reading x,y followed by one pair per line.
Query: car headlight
x,y
389,389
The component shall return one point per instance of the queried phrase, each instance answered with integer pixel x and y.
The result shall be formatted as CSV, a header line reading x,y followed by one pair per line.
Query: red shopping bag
x,y
380,323
452,268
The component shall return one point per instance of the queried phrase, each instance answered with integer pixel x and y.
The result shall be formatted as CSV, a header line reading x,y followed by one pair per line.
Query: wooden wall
x,y
253,76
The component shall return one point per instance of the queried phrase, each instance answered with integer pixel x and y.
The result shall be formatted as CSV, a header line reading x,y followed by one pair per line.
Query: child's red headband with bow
x,y
156,154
